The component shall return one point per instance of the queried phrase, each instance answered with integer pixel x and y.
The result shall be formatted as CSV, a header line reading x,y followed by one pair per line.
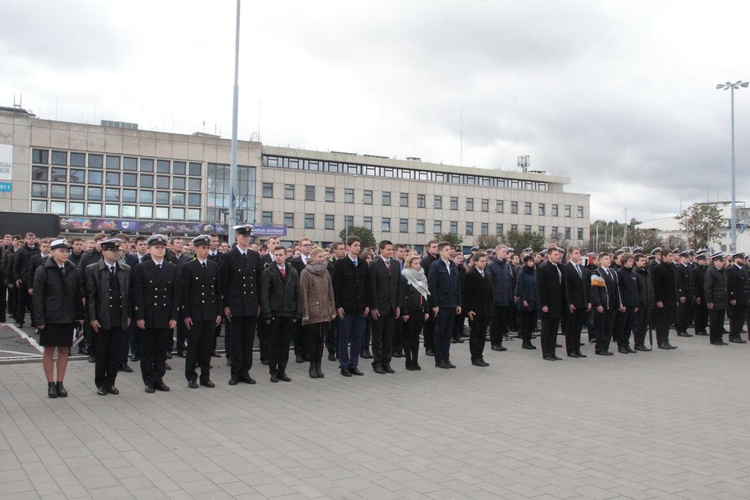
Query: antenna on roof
x,y
523,163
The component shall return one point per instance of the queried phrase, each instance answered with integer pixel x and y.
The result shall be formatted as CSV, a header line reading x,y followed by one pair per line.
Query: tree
x,y
454,239
675,243
487,241
701,223
368,239
527,239
646,239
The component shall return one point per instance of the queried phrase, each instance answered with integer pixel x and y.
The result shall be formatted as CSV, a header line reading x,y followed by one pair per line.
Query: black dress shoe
x,y
387,368
630,350
264,361
429,352
549,358
150,389
416,366
299,358
499,348
169,354
113,390
331,356
193,384
623,350
162,387
208,383
642,348
345,372
366,354
125,368
557,358
398,353
603,353
355,371
442,364
61,392
134,358
737,340
528,346
447,361
284,377
683,334
215,354
670,346
247,379
102,391
479,362
664,346
377,368
573,355
233,381
180,353
92,358
409,366
275,378
580,354
717,342
166,366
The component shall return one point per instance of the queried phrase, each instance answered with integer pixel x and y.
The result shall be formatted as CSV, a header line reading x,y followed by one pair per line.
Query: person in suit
x,y
201,311
605,299
383,298
715,293
108,307
338,251
281,308
178,257
429,325
527,300
20,274
700,312
665,298
156,300
503,296
239,281
551,293
7,266
577,284
645,302
37,260
478,304
445,299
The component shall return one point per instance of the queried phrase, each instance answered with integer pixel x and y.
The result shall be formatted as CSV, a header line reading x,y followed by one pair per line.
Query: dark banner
x,y
139,226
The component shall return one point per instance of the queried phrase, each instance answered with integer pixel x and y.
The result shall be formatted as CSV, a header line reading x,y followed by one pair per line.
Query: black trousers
x,y
429,332
663,318
382,339
200,339
332,336
279,338
624,326
716,324
499,324
22,300
549,335
458,325
684,313
316,333
526,321
181,336
107,356
410,335
737,316
263,330
573,327
642,318
154,345
478,336
242,339
605,324
441,335
700,317
300,343
398,326
591,323
12,301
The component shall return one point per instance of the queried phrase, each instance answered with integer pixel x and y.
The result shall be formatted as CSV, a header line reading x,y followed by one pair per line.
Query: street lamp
x,y
733,86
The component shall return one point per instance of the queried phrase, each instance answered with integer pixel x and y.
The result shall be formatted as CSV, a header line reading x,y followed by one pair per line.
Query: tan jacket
x,y
317,297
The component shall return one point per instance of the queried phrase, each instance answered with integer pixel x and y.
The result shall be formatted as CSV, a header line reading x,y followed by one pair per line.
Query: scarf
x,y
317,269
417,279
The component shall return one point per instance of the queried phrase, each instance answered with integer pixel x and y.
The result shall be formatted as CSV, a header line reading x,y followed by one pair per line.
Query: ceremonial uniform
x,y
685,288
715,292
664,296
738,290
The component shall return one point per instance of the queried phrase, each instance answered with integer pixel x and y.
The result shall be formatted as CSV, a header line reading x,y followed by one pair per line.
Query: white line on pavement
x,y
23,335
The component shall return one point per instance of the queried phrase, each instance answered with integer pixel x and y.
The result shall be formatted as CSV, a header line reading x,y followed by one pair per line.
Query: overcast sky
x,y
619,96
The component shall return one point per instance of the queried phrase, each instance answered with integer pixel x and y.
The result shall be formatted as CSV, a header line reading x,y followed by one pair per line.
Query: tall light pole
x,y
732,87
346,206
235,102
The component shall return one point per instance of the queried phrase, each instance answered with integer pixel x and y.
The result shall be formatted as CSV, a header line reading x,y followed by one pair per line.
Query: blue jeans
x,y
351,329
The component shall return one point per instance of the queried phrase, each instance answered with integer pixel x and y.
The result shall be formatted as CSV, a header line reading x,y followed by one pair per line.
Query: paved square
x,y
664,424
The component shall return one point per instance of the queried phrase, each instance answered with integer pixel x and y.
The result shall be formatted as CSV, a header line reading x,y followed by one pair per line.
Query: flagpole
x,y
233,166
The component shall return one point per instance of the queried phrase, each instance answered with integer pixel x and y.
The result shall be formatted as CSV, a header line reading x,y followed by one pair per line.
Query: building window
x,y
39,206
194,214
454,227
128,211
567,210
79,176
580,233
499,206
454,202
288,191
194,200
76,208
178,198
94,194
309,193
404,199
499,230
162,182
61,158
329,222
554,211
579,212
111,210
40,156
541,231
162,167
147,164
367,222
94,209
330,194
421,201
266,218
567,233
59,174
39,190
469,204
113,179
437,202
96,161
367,197
289,219
162,212
527,208
79,159
112,194
194,184
128,163
437,227
514,207
309,221
403,225
178,168
485,228
76,192
95,177
145,212
542,208
162,197
485,205
386,198
348,195
195,169
469,229
385,225
178,213
130,195
129,180
268,190
420,226
57,207
113,163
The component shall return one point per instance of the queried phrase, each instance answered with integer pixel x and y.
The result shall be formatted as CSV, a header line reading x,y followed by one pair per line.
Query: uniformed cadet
x,y
108,310
156,296
685,286
239,280
201,311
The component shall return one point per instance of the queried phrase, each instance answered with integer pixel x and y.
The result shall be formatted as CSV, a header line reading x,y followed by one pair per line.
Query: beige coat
x,y
317,297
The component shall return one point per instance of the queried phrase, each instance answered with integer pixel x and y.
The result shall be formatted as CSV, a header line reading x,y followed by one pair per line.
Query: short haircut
x,y
573,249
553,248
640,256
304,238
475,258
384,244
175,238
501,245
431,242
351,239
141,238
666,252
99,237
30,235
365,254
442,245
336,244
74,240
279,247
603,254
123,237
45,240
399,246
17,237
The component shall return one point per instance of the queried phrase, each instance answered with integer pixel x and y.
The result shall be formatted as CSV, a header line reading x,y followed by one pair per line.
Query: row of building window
x,y
400,173
81,209
421,225
115,162
92,177
421,200
63,192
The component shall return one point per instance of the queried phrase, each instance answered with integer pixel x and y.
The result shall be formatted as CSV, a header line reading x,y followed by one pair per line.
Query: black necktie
x,y
62,270
203,264
112,269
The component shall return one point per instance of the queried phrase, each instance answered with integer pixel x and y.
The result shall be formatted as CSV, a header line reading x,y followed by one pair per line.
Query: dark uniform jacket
x,y
551,289
21,262
445,288
664,289
737,285
645,287
156,293
7,264
577,288
57,298
99,296
201,295
350,285
280,296
628,284
502,282
699,279
297,263
683,281
526,289
478,292
715,288
2,296
239,280
36,261
384,287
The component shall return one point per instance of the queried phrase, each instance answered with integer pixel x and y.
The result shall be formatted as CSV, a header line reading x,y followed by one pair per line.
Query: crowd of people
x,y
119,300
